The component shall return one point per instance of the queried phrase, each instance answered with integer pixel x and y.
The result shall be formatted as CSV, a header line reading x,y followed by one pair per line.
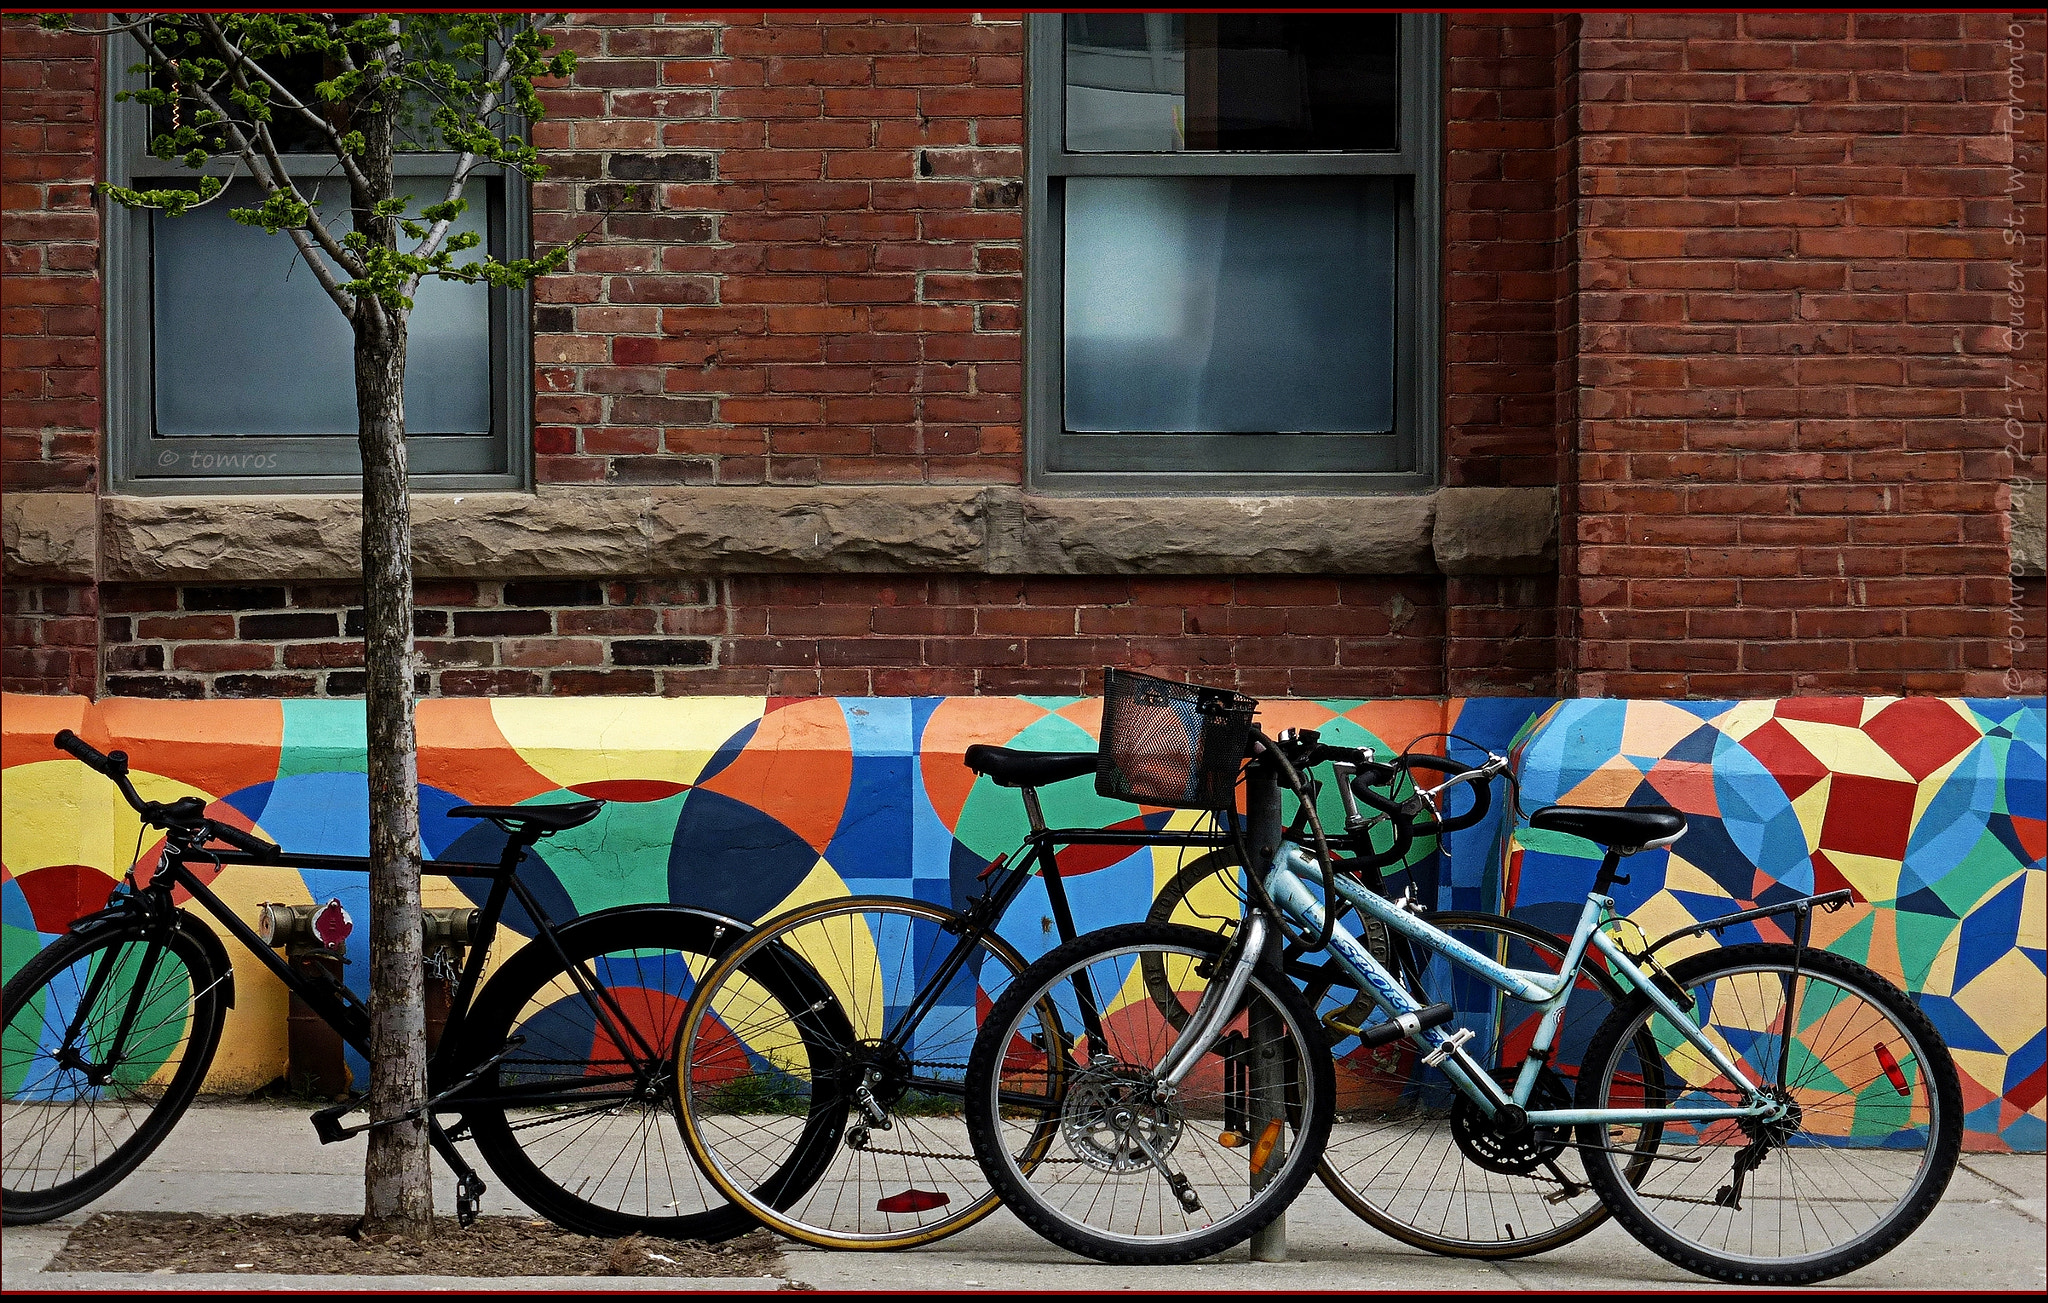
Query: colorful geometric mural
x,y
1931,809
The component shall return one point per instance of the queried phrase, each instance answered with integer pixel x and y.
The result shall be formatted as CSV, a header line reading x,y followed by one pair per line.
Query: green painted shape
x,y
18,945
324,737
18,1042
1983,871
1921,937
618,858
1855,943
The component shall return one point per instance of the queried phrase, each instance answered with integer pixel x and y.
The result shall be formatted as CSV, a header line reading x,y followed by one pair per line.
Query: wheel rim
x,y
756,1073
1852,1151
68,1110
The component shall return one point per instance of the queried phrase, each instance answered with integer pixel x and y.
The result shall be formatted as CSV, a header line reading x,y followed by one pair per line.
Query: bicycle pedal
x,y
469,1198
1449,1047
327,1123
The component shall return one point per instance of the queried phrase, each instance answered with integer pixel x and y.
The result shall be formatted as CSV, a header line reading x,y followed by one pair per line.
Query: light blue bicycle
x,y
1759,1113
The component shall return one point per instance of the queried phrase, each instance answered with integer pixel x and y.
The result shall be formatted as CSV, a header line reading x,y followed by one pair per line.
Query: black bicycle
x,y
560,1067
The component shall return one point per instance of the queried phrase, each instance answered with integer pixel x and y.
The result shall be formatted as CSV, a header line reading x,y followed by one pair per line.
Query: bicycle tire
x,y
874,953
601,1161
177,1015
1749,1022
1134,1026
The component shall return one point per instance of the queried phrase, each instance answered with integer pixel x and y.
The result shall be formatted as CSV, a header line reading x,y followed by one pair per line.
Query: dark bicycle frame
x,y
340,1008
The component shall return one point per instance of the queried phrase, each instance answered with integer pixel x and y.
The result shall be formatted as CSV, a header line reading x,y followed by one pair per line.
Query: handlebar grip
x,y
242,841
80,749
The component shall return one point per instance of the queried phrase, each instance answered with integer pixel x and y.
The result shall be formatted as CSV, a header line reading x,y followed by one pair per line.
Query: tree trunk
x,y
398,1190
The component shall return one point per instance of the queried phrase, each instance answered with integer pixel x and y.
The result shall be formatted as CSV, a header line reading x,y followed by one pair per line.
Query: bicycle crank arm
x,y
1182,1188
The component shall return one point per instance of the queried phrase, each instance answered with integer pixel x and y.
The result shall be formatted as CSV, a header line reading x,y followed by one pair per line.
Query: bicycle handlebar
x,y
186,812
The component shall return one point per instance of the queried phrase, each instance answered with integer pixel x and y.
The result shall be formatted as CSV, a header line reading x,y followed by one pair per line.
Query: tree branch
x,y
326,128
246,151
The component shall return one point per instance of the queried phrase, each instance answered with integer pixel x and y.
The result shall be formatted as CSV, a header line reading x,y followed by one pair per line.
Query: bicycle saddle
x,y
542,819
1028,768
1628,829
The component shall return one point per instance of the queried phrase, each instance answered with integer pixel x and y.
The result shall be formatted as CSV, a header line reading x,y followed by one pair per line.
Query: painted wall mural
x,y
1931,809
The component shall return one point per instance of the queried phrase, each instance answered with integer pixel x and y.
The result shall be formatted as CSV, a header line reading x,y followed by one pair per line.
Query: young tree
x,y
463,83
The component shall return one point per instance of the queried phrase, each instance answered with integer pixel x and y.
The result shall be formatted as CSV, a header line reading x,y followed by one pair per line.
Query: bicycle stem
x,y
1217,1006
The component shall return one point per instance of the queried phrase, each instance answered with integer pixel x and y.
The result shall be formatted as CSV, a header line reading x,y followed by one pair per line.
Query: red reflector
x,y
913,1201
1891,1068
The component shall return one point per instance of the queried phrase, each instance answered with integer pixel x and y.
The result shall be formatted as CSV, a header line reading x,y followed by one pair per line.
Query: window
x,y
1233,252
206,393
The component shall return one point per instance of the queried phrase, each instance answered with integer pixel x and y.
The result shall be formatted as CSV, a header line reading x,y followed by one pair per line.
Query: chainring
x,y
1516,1153
1092,1119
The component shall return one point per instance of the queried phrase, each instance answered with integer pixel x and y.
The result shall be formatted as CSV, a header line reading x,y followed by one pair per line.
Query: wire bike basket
x,y
1171,744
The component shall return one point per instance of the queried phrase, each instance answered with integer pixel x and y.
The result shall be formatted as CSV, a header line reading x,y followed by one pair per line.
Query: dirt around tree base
x,y
324,1244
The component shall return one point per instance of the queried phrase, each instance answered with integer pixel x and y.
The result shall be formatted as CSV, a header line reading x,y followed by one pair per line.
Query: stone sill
x,y
582,532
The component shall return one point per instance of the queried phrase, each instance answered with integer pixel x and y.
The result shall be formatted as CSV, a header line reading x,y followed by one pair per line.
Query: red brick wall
x,y
817,280
49,260
852,635
1728,281
1792,360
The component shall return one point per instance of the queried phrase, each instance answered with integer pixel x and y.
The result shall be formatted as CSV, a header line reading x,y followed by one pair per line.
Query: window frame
x,y
1052,463
305,463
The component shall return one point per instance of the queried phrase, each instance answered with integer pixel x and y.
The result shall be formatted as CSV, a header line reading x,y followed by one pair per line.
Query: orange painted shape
x,y
1276,715
956,724
797,769
462,750
1686,784
1401,723
218,747
28,723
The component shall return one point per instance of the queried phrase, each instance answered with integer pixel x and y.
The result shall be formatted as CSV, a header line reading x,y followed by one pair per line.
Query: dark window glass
x,y
1166,83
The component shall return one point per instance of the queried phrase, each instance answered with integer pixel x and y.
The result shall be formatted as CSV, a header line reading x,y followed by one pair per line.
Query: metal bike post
x,y
1268,1085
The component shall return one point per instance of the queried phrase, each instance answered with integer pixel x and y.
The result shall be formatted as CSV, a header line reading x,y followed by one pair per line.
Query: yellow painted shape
x,y
1811,806
1930,787
2007,1000
1744,718
1664,913
1874,877
1986,1069
60,812
2033,929
592,740
1846,750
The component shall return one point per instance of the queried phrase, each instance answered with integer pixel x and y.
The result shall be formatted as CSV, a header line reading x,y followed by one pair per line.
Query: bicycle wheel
x,y
1412,1156
107,1039
897,1167
1134,1173
579,1119
1871,1125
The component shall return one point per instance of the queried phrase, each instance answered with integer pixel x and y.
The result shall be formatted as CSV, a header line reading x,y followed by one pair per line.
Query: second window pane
x,y
1207,304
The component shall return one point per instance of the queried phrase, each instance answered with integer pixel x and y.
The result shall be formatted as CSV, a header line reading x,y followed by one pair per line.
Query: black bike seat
x,y
535,818
1628,829
1028,768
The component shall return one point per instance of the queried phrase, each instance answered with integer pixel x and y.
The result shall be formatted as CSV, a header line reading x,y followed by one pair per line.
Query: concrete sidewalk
x,y
1988,1233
